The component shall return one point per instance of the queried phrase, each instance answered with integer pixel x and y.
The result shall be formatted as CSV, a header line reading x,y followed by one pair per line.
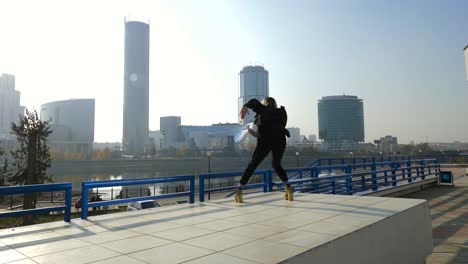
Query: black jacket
x,y
271,121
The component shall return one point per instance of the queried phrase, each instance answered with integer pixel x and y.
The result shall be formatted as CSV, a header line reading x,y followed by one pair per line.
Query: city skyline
x,y
404,59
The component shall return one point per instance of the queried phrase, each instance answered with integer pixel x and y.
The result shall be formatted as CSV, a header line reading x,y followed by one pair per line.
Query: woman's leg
x,y
260,152
277,154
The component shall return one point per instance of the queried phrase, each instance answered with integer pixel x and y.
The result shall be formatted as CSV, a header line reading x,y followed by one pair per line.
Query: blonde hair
x,y
269,101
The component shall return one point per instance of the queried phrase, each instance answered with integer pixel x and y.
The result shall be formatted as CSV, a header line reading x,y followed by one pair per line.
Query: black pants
x,y
262,149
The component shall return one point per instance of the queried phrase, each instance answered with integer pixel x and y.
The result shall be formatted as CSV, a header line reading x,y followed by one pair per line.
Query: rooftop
x,y
265,229
339,97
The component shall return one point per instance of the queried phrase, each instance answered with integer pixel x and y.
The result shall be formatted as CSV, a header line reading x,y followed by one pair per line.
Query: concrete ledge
x,y
405,189
405,237
461,165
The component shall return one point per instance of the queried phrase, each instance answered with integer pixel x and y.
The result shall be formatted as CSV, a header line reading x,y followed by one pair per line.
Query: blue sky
x,y
403,58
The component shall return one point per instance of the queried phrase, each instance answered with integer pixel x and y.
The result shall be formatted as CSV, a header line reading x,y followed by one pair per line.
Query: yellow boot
x,y
288,193
239,196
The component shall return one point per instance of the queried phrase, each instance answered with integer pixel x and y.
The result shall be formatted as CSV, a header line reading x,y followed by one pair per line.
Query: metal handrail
x,y
202,177
85,186
36,188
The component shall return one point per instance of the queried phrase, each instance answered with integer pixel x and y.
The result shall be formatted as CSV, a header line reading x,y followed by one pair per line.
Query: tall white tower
x,y
253,83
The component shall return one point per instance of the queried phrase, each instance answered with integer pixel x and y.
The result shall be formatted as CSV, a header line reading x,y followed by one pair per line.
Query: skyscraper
x,y
253,83
10,108
341,122
136,88
170,129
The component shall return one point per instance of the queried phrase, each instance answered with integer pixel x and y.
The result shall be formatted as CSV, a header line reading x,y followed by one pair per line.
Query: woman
x,y
271,122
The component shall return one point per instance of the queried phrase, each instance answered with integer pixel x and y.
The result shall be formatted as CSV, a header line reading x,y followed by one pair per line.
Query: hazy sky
x,y
403,58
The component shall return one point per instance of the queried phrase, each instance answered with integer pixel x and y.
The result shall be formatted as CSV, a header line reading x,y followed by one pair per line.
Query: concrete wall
x,y
404,238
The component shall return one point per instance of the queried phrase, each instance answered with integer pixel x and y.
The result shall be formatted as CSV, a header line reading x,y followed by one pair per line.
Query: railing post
x,y
270,180
394,183
333,187
265,182
350,169
201,188
68,204
349,184
374,177
363,182
192,190
423,166
84,201
409,164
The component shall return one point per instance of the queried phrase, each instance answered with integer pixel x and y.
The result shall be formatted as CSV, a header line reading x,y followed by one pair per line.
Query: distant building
x,y
115,146
217,136
387,144
136,88
170,130
466,61
156,140
341,122
253,83
313,138
295,138
72,122
453,146
10,108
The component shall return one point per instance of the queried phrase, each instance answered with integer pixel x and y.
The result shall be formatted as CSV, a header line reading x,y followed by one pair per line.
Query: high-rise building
x,y
10,108
295,136
386,144
253,83
136,88
170,129
466,61
313,138
341,122
71,132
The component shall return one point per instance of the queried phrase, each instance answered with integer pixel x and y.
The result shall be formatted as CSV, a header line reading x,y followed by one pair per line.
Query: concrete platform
x,y
315,228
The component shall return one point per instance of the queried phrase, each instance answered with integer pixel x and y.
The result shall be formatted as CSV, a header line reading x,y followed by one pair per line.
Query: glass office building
x,y
341,122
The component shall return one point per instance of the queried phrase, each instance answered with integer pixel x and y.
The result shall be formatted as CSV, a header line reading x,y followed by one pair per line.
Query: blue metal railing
x,y
350,183
201,182
86,186
357,162
53,187
356,177
380,174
